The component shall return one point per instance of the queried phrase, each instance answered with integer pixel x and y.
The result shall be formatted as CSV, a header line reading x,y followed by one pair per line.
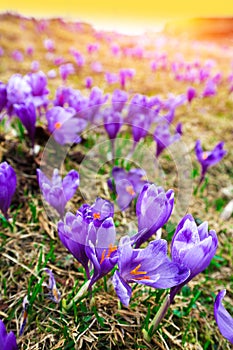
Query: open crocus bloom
x,y
193,246
128,184
64,125
58,192
150,266
223,318
210,158
101,248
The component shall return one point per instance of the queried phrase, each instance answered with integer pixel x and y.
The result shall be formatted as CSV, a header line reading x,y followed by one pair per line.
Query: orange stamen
x,y
130,190
96,215
142,278
111,249
57,125
136,272
55,294
102,256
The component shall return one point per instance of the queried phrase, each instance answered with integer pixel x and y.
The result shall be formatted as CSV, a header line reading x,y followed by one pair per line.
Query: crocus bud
x,y
7,186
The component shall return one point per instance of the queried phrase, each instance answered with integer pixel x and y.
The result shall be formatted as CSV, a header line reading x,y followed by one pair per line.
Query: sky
x,y
121,15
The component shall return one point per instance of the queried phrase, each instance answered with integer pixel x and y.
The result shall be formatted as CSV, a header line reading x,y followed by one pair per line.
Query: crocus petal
x,y
223,318
70,184
123,290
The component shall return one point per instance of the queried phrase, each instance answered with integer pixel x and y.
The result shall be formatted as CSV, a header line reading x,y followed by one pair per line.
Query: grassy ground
x,y
30,241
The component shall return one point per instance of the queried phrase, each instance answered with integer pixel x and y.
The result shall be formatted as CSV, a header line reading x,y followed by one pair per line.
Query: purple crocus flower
x,y
7,340
97,67
124,74
128,185
73,230
91,48
49,45
193,246
18,90
111,78
223,318
153,209
112,122
27,114
163,138
140,104
58,192
209,158
64,125
52,74
150,266
54,293
119,98
96,100
38,83
58,60
29,50
115,49
35,66
191,94
140,127
210,89
3,96
79,59
17,55
1,51
66,70
8,182
88,82
101,248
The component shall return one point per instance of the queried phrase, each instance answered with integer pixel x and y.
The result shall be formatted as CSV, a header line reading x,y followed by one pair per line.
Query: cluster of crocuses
x,y
90,236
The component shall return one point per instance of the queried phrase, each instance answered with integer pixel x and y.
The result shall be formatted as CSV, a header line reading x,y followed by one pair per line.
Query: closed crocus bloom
x,y
101,248
64,125
7,186
150,266
3,96
140,127
72,232
223,318
27,114
88,82
58,192
112,122
191,94
7,340
66,70
193,246
209,158
153,209
210,89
